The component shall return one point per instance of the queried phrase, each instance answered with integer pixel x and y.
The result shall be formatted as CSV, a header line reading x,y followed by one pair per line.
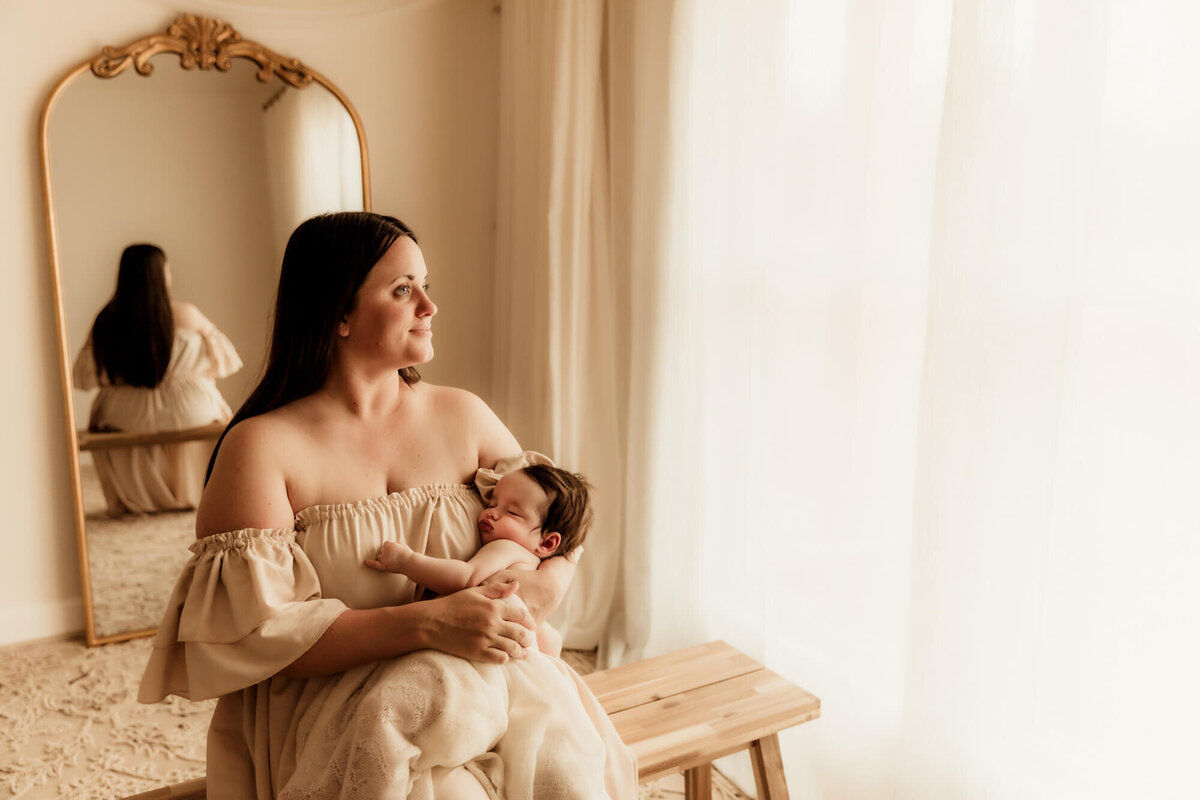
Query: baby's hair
x,y
570,511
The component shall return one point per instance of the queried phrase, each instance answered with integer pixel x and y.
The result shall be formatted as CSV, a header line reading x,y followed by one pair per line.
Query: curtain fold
x,y
555,368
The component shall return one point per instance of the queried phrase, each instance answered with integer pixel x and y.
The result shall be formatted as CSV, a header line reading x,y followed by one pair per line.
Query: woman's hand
x,y
484,623
543,589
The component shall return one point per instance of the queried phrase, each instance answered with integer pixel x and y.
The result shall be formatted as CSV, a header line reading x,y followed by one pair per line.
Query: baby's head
x,y
544,509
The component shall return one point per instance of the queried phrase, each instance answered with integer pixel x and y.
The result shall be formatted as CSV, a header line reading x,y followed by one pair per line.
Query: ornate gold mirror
x,y
213,148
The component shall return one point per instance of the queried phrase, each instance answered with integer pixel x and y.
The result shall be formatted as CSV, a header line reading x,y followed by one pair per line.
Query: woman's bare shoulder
x,y
452,399
248,484
188,317
492,439
463,407
262,434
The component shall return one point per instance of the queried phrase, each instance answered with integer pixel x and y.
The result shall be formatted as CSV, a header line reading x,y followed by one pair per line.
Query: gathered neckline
x,y
326,511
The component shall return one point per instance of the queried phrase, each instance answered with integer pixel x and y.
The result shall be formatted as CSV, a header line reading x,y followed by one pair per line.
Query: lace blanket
x,y
379,730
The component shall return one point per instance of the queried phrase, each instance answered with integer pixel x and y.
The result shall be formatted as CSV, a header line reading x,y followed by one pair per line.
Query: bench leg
x,y
768,769
697,782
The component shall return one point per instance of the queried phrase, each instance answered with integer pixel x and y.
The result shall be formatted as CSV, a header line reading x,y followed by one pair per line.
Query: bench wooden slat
x,y
662,676
694,727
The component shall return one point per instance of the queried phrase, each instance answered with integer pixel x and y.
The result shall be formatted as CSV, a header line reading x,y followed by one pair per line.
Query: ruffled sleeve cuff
x,y
486,479
223,358
247,604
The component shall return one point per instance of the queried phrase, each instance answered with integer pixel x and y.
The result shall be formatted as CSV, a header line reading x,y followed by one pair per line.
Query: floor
x,y
133,561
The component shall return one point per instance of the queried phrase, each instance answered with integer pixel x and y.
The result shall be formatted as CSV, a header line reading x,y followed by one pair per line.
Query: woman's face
x,y
392,316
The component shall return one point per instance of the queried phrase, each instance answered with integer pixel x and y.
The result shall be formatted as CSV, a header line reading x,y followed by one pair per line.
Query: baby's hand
x,y
392,557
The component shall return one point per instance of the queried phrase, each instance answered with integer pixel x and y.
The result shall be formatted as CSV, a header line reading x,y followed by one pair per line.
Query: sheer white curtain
x,y
1054,538
912,360
791,320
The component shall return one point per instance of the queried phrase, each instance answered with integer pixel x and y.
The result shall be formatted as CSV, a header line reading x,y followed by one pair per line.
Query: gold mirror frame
x,y
200,42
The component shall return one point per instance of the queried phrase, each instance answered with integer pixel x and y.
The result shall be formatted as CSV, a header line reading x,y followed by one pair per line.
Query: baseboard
x,y
41,621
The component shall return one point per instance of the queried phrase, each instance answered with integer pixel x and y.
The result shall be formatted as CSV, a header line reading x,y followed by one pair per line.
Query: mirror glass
x,y
215,168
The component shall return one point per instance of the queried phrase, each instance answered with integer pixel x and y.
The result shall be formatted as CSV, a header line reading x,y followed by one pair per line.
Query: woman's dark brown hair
x,y
326,261
133,333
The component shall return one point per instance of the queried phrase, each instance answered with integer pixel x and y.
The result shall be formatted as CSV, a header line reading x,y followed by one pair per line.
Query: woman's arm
x,y
543,589
248,489
479,624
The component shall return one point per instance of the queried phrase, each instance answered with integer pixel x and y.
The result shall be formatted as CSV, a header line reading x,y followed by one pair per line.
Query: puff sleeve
x,y
223,358
247,604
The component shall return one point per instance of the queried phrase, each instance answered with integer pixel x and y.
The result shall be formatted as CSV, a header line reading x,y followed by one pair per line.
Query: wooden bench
x,y
677,712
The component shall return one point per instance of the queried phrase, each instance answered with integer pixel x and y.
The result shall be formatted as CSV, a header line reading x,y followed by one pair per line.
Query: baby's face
x,y
515,512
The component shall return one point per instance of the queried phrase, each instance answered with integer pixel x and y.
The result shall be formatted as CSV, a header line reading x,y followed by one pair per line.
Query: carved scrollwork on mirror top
x,y
200,43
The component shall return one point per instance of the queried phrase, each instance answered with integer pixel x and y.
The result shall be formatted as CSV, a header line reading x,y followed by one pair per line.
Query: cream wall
x,y
422,75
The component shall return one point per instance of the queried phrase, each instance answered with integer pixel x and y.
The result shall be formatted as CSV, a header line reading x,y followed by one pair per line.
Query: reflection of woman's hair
x,y
132,334
326,260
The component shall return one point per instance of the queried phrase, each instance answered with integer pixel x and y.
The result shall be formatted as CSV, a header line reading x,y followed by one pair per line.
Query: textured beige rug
x,y
70,726
133,561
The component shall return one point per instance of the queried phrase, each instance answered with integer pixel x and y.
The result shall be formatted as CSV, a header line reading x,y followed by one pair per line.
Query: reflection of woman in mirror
x,y
327,686
155,362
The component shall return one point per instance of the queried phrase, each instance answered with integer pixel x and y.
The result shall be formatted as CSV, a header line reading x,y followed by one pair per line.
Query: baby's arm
x,y
448,575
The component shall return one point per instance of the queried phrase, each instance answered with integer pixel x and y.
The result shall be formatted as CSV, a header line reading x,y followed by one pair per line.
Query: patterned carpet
x,y
70,726
133,561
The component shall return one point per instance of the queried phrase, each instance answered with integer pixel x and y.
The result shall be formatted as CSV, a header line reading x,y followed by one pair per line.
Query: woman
x,y
155,362
340,448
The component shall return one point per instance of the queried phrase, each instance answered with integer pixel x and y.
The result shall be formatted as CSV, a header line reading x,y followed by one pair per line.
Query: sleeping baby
x,y
534,513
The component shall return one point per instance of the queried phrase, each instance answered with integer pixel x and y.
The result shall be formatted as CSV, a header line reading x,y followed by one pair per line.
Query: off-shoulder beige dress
x,y
249,602
166,477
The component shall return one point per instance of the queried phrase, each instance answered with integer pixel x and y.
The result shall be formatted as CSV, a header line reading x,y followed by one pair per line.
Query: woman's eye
x,y
403,291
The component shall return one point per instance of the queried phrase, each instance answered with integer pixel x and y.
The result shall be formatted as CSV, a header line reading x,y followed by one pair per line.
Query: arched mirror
x,y
211,147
